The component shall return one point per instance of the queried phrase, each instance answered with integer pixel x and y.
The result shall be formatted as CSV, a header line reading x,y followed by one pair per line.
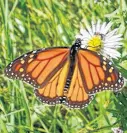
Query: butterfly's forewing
x,y
77,96
98,73
38,67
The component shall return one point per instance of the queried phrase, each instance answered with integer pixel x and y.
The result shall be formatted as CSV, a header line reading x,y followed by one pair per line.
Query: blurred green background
x,y
27,25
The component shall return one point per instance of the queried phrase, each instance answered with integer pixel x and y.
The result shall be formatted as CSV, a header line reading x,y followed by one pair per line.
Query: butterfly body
x,y
73,51
66,75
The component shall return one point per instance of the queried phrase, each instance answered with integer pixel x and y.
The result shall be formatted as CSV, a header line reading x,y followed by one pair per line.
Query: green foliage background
x,y
27,25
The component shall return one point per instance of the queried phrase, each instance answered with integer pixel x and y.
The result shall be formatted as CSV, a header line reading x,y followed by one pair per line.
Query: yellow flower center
x,y
95,43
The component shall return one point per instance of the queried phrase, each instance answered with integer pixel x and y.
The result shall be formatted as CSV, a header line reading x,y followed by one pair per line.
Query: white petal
x,y
102,27
84,33
93,27
111,52
115,38
84,46
108,26
98,26
110,34
89,30
113,44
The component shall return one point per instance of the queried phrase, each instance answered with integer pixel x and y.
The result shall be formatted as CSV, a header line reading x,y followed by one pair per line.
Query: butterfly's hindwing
x,y
53,91
77,96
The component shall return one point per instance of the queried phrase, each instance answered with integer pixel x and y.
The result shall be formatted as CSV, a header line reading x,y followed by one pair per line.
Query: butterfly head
x,y
75,47
77,43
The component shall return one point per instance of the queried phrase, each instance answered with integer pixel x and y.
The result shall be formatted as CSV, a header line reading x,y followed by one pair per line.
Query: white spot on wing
x,y
110,63
34,52
25,55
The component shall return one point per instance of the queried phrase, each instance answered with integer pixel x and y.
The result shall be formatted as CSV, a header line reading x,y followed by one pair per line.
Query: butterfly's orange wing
x,y
38,67
97,72
77,96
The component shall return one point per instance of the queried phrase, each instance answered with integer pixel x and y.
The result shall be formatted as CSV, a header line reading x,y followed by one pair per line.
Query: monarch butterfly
x,y
65,75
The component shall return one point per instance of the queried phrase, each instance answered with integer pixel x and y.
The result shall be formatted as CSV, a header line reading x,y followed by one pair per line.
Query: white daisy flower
x,y
100,38
117,130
